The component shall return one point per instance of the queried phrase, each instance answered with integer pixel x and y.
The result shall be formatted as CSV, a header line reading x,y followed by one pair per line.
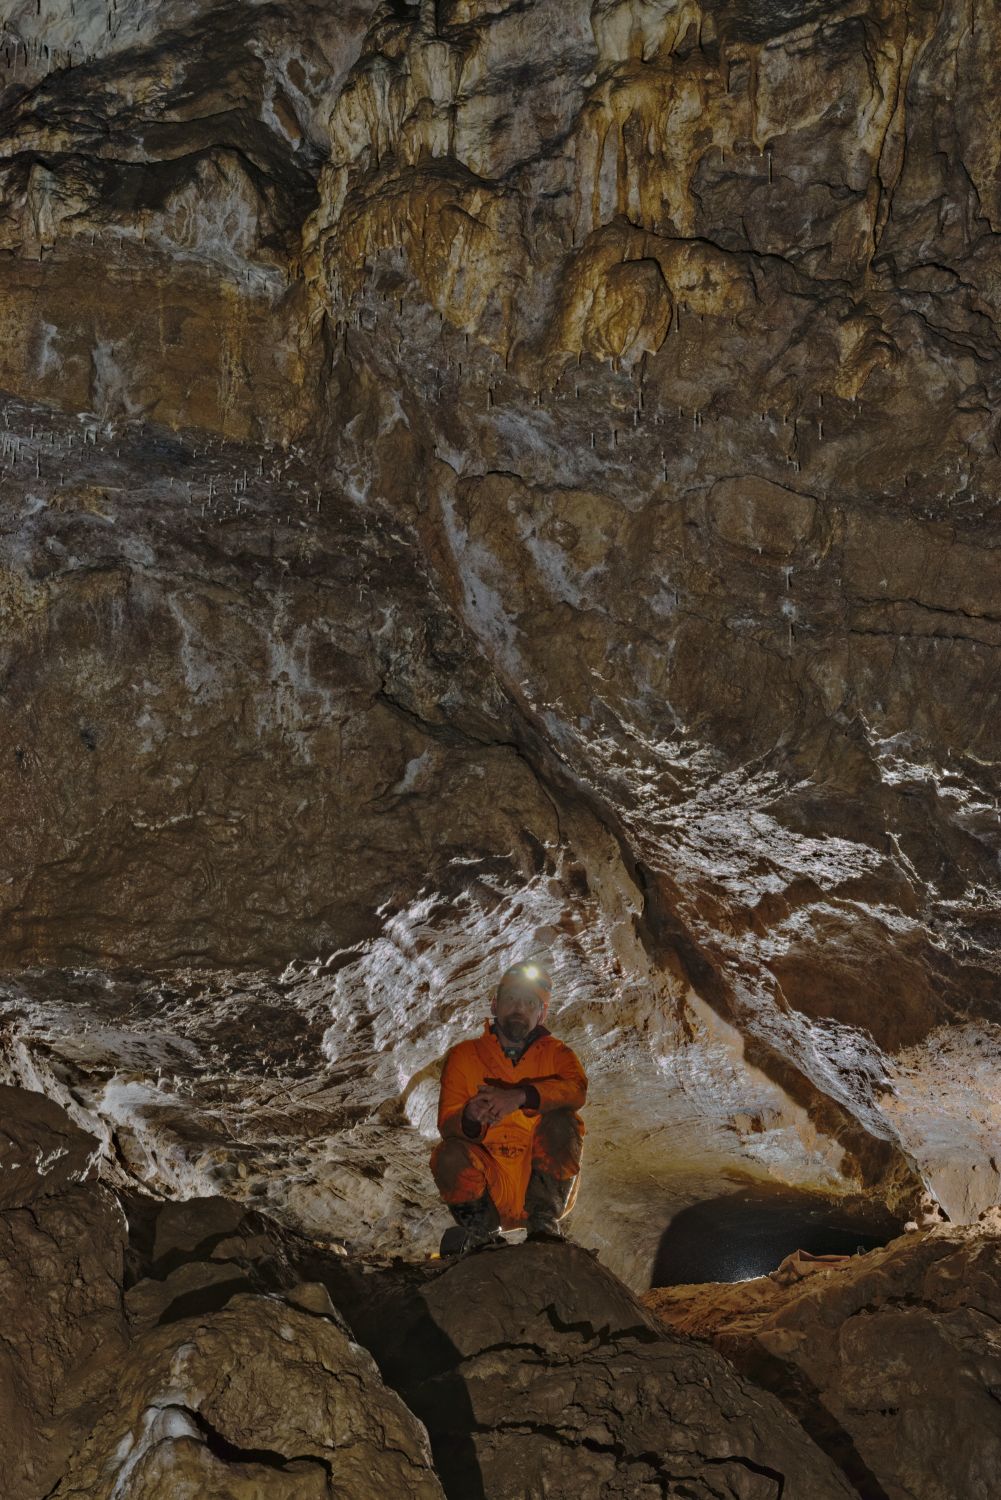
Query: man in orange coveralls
x,y
507,1113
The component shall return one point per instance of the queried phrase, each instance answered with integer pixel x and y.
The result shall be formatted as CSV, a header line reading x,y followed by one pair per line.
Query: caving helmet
x,y
532,976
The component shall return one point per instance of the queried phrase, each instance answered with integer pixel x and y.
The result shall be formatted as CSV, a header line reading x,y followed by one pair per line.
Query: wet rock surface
x,y
891,1361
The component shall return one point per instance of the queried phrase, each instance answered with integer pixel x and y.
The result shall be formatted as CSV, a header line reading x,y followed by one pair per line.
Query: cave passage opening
x,y
747,1233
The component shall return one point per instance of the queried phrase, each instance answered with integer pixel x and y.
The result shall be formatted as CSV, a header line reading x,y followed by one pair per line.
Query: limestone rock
x,y
61,1262
534,1369
890,1360
41,1151
330,673
476,479
486,476
194,1256
62,1242
217,1381
259,1399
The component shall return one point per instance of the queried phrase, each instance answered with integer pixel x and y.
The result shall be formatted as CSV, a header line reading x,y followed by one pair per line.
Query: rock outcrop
x,y
61,1268
173,1349
62,1242
154,1347
179,1347
41,1152
257,1399
536,1372
891,1361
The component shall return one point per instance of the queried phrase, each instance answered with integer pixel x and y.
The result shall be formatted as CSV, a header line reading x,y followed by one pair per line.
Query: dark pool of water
x,y
748,1232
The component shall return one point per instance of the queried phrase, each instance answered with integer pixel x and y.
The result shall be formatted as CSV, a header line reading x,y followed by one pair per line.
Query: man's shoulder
x,y
553,1044
468,1048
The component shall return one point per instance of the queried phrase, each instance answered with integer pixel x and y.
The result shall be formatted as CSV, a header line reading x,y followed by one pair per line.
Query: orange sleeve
x,y
565,1087
457,1088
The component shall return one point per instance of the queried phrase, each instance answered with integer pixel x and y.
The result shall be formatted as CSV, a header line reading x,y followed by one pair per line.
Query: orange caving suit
x,y
546,1133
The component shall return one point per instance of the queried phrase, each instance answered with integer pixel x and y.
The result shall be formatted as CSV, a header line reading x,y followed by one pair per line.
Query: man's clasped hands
x,y
491,1104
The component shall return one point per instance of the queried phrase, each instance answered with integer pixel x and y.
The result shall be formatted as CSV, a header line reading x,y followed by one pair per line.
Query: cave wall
x,y
442,434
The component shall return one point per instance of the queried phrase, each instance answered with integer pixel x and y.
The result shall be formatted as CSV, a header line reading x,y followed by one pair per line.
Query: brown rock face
x,y
535,1371
158,1347
41,1152
60,1298
62,1244
257,1399
279,779
216,1373
197,1347
891,1362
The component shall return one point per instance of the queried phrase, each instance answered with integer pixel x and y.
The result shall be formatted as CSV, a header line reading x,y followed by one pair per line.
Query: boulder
x,y
537,1372
258,1401
61,1260
891,1360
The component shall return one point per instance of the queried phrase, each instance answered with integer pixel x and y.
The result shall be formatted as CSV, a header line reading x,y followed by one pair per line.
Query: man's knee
x,y
557,1143
458,1171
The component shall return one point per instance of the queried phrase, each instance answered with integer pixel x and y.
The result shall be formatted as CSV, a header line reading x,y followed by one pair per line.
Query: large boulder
x,y
538,1373
891,1360
259,1399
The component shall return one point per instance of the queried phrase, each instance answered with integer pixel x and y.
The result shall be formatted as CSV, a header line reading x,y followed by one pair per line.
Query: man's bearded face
x,y
517,1010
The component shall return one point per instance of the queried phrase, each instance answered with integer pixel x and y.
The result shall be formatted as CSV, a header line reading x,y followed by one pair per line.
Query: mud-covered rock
x,y
536,1371
890,1360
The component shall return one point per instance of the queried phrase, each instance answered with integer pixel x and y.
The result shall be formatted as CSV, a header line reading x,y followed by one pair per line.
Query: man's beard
x,y
515,1029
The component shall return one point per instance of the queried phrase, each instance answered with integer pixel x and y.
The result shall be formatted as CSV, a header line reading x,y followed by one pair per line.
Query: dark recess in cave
x,y
748,1233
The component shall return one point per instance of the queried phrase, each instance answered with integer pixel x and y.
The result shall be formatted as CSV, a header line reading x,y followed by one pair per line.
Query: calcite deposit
x,y
479,479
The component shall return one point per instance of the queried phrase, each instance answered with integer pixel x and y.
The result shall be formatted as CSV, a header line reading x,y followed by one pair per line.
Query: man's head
x,y
522,1000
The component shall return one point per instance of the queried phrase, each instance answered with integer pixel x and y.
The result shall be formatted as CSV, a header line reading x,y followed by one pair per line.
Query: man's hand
x,y
490,1105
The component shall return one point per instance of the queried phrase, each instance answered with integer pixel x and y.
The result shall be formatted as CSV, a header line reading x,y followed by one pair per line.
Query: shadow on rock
x,y
536,1372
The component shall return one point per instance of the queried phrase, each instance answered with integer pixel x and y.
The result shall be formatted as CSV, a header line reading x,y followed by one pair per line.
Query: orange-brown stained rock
x,y
889,1361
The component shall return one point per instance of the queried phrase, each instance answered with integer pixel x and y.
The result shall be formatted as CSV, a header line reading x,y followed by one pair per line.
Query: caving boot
x,y
476,1224
545,1200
